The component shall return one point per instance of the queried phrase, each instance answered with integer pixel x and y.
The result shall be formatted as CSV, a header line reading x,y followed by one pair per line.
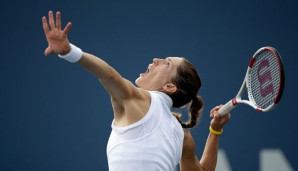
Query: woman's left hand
x,y
218,122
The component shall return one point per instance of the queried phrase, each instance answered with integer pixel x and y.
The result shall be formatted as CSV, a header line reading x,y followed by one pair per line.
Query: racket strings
x,y
264,79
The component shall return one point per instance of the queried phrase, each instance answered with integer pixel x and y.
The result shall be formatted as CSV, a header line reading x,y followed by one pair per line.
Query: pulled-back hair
x,y
188,84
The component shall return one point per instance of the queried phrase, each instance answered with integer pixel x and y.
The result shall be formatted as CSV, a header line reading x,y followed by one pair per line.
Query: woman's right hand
x,y
57,39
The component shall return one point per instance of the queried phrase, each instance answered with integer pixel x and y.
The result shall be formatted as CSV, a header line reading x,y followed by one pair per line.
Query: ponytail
x,y
195,110
188,84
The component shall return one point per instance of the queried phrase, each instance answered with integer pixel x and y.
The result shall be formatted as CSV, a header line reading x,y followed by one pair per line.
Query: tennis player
x,y
146,135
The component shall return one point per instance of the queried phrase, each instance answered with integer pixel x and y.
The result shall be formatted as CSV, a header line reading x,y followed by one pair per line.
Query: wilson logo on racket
x,y
265,78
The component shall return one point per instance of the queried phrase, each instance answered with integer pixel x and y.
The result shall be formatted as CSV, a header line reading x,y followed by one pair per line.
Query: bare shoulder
x,y
136,93
143,94
188,145
131,110
187,135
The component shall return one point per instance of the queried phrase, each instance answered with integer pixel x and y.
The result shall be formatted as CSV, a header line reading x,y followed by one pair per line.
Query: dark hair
x,y
188,84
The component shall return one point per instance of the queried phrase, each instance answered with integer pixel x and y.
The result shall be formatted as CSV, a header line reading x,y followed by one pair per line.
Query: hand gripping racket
x,y
264,82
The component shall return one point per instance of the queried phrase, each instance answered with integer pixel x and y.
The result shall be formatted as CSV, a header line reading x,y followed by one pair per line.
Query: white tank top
x,y
154,143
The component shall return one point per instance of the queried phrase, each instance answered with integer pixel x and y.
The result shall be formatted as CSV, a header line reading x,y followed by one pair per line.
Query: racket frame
x,y
230,105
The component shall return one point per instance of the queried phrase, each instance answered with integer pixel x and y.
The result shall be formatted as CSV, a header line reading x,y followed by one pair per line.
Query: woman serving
x,y
145,134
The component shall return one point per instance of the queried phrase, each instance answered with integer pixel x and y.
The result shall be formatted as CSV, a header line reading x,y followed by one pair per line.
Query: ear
x,y
170,88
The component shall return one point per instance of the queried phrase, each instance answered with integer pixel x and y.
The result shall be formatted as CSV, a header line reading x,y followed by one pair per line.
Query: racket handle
x,y
225,109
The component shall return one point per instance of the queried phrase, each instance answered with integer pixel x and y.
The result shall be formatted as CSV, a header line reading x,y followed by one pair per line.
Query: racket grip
x,y
225,109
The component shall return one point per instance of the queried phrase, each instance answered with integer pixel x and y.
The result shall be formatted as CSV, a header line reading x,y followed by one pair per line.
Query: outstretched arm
x,y
58,43
189,160
117,86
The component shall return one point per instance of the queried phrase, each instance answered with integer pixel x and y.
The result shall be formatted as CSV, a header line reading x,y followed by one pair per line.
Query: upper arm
x,y
129,102
118,87
189,160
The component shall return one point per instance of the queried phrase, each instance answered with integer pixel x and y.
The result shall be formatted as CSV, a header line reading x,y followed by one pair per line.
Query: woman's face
x,y
159,73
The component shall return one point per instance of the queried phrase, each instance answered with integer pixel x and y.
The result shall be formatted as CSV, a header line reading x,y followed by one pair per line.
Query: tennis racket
x,y
264,82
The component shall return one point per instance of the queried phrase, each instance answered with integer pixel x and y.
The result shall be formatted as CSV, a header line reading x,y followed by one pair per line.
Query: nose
x,y
155,61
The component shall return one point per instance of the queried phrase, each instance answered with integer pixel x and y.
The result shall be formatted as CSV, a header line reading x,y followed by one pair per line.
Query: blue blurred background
x,y
56,116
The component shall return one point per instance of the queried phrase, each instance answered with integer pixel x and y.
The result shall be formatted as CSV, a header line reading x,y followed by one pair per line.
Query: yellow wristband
x,y
215,132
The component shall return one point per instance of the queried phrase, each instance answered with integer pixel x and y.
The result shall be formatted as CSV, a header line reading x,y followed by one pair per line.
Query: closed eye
x,y
169,61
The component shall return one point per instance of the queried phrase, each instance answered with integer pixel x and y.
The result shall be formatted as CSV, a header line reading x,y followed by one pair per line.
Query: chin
x,y
140,83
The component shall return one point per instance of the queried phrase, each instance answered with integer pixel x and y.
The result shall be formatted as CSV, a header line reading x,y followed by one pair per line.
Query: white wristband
x,y
74,55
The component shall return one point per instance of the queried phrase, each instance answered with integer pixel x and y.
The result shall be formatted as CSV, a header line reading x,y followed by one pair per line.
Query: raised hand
x,y
57,39
218,122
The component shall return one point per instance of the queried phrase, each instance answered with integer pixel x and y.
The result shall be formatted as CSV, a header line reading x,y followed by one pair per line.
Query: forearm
x,y
58,43
209,157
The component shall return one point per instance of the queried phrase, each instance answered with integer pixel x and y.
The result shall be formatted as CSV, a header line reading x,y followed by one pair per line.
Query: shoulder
x,y
131,110
188,144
